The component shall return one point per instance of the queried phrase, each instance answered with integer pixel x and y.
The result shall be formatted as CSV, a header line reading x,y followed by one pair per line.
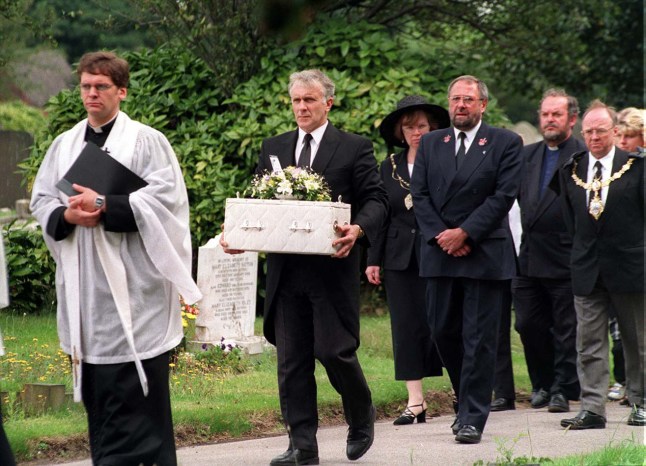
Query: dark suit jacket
x,y
613,246
476,198
545,243
400,237
349,167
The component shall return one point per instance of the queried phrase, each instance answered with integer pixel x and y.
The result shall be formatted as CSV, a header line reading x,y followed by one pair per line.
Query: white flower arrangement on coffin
x,y
290,183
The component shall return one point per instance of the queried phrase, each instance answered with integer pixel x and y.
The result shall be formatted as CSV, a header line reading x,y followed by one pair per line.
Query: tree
x,y
225,34
522,47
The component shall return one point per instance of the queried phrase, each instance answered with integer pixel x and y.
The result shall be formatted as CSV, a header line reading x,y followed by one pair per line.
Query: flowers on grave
x,y
189,312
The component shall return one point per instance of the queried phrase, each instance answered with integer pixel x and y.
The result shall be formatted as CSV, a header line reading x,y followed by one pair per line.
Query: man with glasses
x,y
122,260
603,194
464,182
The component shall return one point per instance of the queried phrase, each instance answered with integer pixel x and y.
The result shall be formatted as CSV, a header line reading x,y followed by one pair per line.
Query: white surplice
x,y
118,292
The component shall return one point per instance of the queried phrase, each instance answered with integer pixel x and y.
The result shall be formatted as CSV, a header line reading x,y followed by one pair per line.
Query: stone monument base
x,y
250,345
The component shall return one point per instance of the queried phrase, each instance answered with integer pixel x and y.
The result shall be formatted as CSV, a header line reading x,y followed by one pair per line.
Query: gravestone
x,y
14,148
228,308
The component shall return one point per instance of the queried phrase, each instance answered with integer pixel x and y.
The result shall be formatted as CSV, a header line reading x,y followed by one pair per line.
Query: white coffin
x,y
282,226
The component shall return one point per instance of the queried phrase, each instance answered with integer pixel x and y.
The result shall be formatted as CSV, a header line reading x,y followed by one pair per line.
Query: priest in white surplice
x,y
122,260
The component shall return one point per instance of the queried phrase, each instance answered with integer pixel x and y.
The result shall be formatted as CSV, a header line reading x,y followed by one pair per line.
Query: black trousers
x,y
503,386
546,322
464,315
126,428
308,327
6,456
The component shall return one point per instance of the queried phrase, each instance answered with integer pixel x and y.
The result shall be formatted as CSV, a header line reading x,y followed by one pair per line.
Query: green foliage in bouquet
x,y
290,183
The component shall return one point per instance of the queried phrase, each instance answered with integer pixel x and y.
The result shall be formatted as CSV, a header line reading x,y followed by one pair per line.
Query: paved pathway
x,y
523,432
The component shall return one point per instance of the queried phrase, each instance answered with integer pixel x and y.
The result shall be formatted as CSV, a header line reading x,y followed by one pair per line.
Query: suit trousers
x,y
503,386
464,315
592,345
308,327
546,322
6,456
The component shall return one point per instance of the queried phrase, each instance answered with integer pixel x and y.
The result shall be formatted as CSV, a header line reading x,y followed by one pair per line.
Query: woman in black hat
x,y
397,251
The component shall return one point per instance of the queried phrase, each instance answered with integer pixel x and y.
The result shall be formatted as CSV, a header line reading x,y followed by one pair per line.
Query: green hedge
x,y
217,138
16,116
31,270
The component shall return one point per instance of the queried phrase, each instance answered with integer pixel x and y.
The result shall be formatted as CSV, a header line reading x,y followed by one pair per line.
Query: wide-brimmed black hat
x,y
388,128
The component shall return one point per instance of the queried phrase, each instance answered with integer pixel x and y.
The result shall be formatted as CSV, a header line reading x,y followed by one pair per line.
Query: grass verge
x,y
215,403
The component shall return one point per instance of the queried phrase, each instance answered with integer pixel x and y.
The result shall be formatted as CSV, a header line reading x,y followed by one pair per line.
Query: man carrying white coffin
x,y
312,302
121,261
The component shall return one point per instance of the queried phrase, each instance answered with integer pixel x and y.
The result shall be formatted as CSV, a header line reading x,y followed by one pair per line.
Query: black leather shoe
x,y
469,434
558,404
637,416
456,426
360,438
296,456
502,404
584,420
540,399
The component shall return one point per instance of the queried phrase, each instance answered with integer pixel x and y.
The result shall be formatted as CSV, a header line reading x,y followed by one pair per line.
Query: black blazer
x,y
476,198
348,164
546,243
394,247
613,246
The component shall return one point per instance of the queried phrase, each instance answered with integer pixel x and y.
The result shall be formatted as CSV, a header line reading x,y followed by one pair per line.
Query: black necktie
x,y
597,176
306,152
459,156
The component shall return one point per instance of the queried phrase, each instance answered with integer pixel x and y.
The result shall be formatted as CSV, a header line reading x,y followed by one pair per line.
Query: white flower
x,y
292,181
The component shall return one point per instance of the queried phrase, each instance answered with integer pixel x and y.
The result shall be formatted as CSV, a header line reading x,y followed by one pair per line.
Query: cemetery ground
x,y
213,400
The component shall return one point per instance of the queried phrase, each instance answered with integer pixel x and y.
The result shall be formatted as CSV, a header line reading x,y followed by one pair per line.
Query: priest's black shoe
x,y
469,434
584,420
360,438
291,457
502,404
540,399
637,416
558,404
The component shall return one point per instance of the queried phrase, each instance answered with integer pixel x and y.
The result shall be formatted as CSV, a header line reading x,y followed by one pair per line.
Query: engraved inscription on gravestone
x,y
228,283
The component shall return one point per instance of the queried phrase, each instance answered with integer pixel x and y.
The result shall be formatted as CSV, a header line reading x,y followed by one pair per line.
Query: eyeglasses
x,y
467,100
98,87
599,131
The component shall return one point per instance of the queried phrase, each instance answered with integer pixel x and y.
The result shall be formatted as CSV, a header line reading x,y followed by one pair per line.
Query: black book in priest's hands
x,y
94,168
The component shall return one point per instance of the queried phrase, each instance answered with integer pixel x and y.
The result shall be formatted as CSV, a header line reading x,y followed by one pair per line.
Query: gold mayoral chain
x,y
596,204
408,200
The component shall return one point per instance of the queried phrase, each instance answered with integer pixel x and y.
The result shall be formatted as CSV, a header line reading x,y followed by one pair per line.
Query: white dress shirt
x,y
606,172
317,135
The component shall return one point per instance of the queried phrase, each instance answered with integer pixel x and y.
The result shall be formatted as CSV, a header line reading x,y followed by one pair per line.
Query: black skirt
x,y
414,350
126,428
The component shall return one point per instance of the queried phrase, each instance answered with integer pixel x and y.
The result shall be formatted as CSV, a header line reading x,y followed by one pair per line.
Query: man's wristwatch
x,y
361,234
99,202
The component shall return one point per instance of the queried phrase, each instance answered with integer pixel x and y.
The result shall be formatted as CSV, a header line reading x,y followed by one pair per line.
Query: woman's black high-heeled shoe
x,y
408,417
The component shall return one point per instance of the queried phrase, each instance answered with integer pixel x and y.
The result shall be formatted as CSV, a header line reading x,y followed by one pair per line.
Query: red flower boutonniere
x,y
482,141
447,138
